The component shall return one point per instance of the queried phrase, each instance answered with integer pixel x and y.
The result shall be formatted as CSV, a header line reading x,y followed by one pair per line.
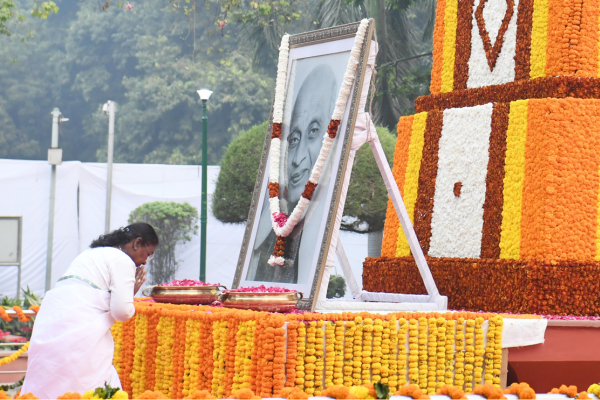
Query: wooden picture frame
x,y
308,53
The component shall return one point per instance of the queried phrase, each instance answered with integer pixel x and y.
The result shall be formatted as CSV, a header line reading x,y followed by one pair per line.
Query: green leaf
x,y
106,392
382,390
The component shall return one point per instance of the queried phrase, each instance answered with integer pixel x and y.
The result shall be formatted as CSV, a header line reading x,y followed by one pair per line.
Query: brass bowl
x,y
271,302
183,294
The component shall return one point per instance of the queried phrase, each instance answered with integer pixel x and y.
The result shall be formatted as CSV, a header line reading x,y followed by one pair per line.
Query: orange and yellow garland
x,y
180,349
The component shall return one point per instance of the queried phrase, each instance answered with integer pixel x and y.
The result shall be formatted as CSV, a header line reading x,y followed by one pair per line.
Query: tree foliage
x,y
336,287
174,223
239,168
147,60
11,16
152,58
366,202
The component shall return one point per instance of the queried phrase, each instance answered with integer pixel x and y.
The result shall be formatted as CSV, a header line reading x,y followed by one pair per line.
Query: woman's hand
x,y
140,278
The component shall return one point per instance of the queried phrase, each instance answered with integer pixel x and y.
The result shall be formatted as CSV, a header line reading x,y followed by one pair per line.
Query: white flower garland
x,y
282,224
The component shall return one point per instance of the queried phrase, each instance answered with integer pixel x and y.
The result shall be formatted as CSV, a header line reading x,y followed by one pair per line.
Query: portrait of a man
x,y
315,84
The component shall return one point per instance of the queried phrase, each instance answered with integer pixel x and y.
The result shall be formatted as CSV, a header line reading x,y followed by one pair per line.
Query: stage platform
x,y
569,355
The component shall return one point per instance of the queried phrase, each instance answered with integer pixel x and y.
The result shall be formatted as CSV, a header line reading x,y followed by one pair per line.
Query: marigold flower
x,y
152,395
200,394
336,392
68,395
27,396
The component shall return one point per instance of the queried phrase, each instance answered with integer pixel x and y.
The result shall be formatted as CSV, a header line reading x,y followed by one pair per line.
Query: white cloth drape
x,y
25,192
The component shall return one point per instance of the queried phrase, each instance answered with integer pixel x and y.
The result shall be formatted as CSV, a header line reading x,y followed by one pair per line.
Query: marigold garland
x,y
479,351
338,360
138,372
199,348
310,359
469,355
358,335
15,355
349,353
449,362
423,355
432,356
459,371
367,350
440,373
385,352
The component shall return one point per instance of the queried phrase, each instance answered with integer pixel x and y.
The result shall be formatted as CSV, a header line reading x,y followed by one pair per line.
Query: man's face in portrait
x,y
310,117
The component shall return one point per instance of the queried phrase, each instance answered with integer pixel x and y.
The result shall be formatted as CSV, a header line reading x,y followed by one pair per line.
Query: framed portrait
x,y
316,66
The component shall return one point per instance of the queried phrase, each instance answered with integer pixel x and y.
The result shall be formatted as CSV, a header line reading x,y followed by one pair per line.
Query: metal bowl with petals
x,y
183,294
271,302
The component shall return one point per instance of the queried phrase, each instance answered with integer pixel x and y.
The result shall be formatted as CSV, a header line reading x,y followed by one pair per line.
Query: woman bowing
x,y
71,347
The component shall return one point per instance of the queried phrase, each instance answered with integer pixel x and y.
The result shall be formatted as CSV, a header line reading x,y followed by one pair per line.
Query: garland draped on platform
x,y
282,223
177,349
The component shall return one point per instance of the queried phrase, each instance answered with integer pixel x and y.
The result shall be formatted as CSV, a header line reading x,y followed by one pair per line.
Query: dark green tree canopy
x,y
366,202
239,168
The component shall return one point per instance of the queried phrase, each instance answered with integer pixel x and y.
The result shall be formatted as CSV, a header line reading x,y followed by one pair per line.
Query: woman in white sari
x,y
71,346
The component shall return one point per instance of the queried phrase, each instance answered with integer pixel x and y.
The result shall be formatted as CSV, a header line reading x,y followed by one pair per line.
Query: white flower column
x,y
504,70
457,220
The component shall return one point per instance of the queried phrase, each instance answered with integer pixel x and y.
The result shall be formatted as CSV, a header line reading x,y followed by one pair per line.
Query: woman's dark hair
x,y
125,235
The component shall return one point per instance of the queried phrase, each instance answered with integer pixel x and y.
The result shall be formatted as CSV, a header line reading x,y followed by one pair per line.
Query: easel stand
x,y
364,132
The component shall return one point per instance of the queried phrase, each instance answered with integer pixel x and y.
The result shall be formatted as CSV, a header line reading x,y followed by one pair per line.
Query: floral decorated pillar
x,y
499,166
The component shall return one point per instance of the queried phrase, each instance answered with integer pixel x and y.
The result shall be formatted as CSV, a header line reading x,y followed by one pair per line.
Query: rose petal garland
x,y
283,224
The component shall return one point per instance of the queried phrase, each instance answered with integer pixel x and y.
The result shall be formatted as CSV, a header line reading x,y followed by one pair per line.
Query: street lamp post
x,y
54,159
109,108
204,96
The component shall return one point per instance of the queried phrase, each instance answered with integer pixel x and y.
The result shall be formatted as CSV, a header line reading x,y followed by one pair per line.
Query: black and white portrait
x,y
313,87
316,66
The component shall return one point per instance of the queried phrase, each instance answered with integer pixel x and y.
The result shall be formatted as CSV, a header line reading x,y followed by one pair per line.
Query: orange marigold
x,y
70,395
299,394
570,391
371,387
201,395
336,392
454,392
27,396
3,395
412,391
489,391
583,395
148,394
244,394
523,390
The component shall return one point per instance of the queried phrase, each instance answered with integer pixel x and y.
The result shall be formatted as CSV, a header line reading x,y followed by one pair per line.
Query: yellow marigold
x,y
148,394
360,392
120,395
200,394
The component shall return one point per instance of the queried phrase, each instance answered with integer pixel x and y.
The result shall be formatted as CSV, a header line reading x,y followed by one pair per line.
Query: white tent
x,y
80,210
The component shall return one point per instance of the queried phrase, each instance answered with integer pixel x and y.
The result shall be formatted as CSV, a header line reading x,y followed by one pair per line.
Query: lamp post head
x,y
106,108
204,94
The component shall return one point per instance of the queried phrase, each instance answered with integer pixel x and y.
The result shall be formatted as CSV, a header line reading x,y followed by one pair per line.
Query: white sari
x,y
71,347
